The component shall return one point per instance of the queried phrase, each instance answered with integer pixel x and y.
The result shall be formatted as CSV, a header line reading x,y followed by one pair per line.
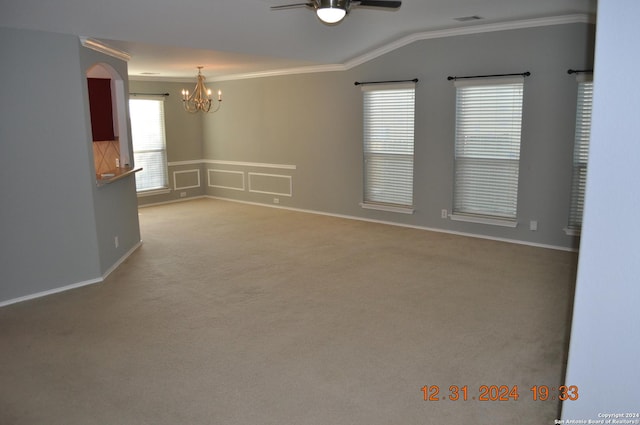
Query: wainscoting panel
x,y
226,179
273,184
186,179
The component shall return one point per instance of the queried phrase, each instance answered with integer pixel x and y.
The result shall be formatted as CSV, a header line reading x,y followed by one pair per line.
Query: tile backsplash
x,y
105,155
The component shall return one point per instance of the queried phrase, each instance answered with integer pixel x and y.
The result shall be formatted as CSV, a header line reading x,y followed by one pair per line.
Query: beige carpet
x,y
238,314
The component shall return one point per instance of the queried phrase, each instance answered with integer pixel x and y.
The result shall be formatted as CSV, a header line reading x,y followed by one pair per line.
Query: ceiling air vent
x,y
468,18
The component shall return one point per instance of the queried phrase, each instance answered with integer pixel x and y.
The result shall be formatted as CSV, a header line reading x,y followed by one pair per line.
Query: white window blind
x,y
581,151
149,146
487,147
389,144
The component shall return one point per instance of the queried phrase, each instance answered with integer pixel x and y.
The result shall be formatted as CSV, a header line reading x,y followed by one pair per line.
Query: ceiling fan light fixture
x,y
331,11
331,15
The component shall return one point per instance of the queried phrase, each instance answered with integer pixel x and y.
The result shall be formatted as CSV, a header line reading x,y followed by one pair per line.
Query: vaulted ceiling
x,y
167,39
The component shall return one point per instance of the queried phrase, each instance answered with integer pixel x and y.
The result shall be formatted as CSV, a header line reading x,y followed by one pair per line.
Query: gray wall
x,y
115,204
184,140
314,121
52,233
183,130
605,337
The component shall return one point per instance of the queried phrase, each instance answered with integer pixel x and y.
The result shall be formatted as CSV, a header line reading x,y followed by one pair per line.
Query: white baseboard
x,y
411,226
121,260
50,292
73,285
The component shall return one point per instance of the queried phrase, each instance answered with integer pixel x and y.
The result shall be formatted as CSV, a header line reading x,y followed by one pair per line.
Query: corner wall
x,y
115,204
57,227
48,226
605,334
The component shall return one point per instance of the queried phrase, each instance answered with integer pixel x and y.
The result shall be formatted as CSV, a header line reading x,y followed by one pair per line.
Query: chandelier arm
x,y
217,107
189,106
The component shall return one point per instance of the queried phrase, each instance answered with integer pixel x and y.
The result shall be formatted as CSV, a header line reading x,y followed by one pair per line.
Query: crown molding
x,y
279,72
184,80
475,29
427,35
387,48
101,47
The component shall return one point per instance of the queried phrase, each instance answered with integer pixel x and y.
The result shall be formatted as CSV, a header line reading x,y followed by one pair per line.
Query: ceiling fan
x,y
333,11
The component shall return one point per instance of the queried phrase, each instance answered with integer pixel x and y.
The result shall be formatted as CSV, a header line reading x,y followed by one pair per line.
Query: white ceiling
x,y
167,39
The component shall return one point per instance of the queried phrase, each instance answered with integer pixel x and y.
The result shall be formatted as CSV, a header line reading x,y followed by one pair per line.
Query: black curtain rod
x,y
524,74
358,83
579,71
149,94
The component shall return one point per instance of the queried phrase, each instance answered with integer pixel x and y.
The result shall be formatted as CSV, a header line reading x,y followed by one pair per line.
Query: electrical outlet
x,y
276,200
444,214
183,194
116,242
533,225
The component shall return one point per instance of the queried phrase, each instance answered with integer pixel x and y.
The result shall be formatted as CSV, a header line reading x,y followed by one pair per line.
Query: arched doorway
x,y
107,98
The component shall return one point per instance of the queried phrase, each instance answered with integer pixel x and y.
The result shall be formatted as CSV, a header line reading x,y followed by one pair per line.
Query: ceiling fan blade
x,y
375,3
292,6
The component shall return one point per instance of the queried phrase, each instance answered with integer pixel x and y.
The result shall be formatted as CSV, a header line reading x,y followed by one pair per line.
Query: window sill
x,y
571,231
503,222
390,208
154,192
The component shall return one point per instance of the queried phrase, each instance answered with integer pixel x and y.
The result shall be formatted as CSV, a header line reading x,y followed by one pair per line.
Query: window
x,y
149,148
581,151
388,146
487,150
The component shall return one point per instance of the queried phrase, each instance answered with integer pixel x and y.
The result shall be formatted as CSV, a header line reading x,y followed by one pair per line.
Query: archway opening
x,y
107,99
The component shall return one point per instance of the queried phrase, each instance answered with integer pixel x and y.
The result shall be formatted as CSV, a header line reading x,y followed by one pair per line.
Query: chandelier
x,y
200,99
